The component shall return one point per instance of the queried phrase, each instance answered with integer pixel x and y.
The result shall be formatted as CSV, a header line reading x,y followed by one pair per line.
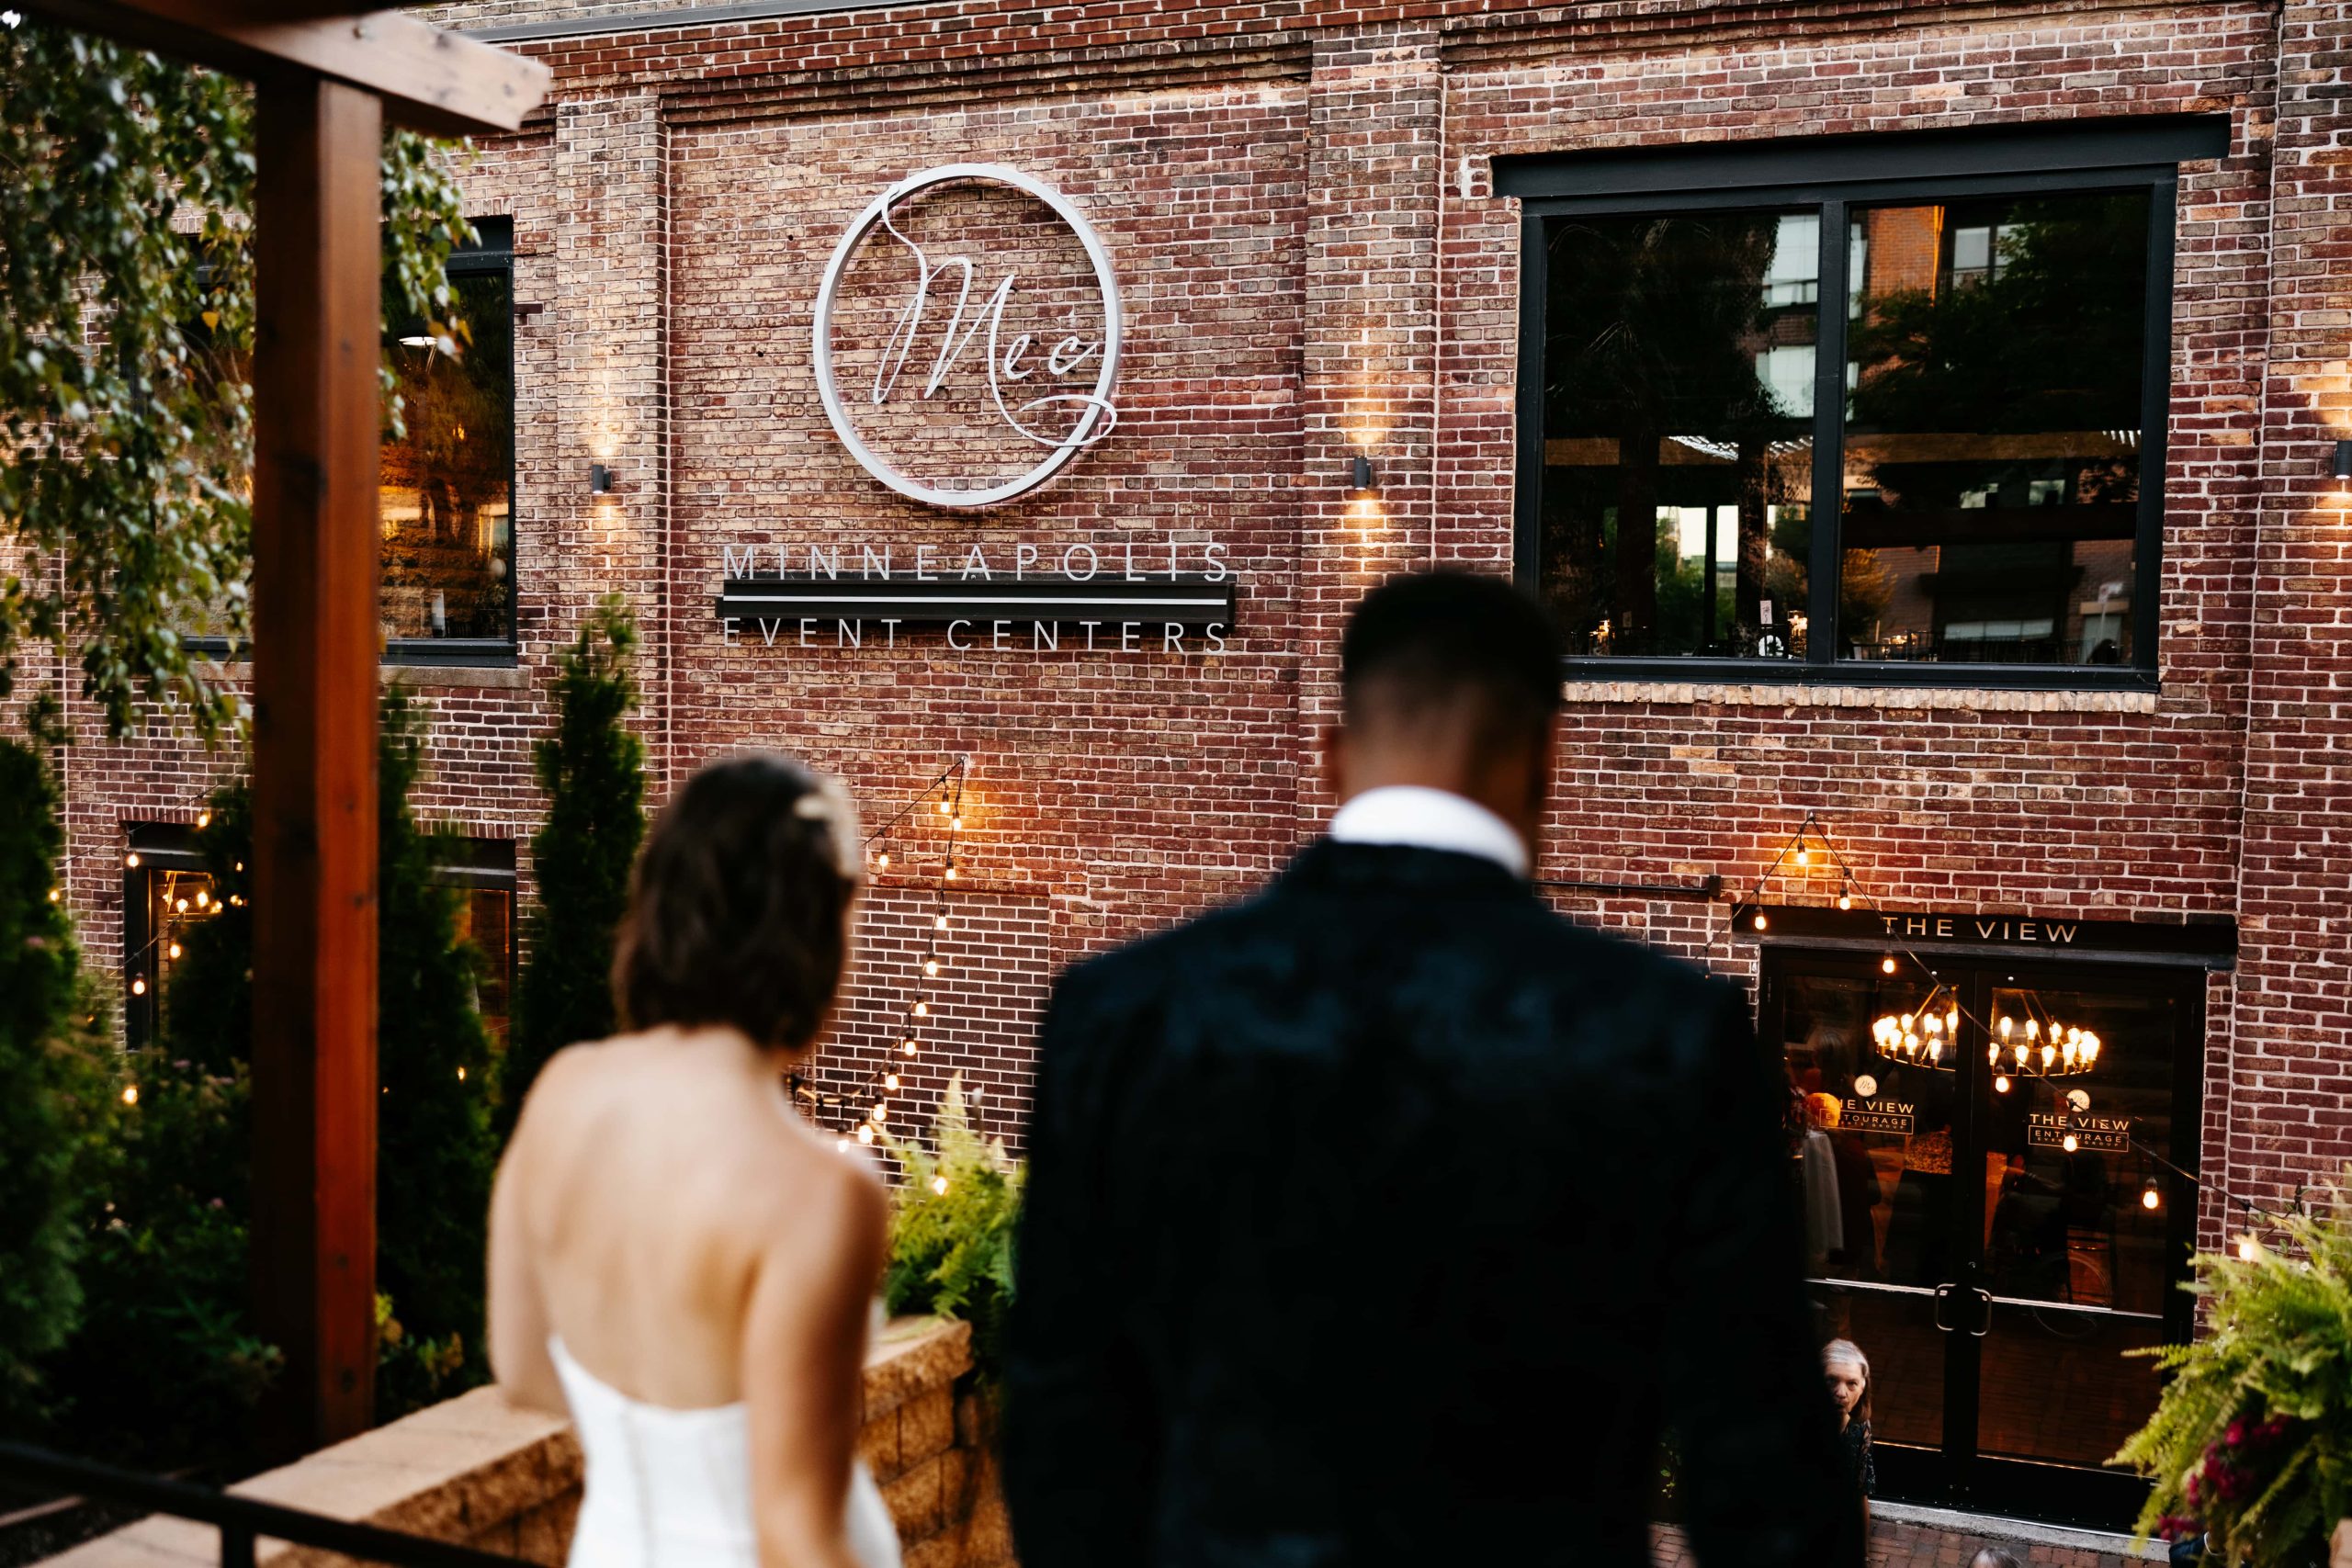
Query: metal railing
x,y
241,1521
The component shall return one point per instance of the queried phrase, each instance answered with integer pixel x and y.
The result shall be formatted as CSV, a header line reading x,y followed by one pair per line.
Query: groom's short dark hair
x,y
1431,642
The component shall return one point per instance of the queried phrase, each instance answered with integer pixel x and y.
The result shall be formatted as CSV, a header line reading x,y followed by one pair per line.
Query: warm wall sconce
x,y
1362,481
2342,467
600,479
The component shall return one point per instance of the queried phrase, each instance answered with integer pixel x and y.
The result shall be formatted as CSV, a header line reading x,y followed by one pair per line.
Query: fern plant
x,y
2252,1440
951,1231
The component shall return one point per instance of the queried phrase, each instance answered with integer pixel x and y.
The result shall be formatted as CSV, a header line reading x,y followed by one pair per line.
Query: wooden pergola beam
x,y
429,80
317,273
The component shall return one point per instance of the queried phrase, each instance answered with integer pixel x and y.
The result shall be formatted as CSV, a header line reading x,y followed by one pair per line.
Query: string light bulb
x,y
2150,1197
2248,1250
907,1046
138,986
930,965
956,823
2071,1144
866,1133
922,1009
1886,964
944,807
890,1082
882,860
203,820
174,950
1804,856
951,871
55,894
130,1094
1760,921
203,898
939,1185
940,924
2001,1083
462,1074
131,860
1845,900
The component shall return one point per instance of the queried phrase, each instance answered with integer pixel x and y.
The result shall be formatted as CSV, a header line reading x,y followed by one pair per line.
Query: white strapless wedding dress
x,y
673,1488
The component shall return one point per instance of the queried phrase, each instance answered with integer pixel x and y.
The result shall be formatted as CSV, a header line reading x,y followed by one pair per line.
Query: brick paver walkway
x,y
1895,1544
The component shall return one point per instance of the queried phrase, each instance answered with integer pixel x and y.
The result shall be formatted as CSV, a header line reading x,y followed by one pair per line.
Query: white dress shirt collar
x,y
1429,819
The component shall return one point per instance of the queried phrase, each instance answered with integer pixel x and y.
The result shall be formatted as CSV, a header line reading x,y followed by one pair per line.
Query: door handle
x,y
1984,1300
1943,1294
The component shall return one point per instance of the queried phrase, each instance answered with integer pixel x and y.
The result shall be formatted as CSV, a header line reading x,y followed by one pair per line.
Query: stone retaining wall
x,y
477,1470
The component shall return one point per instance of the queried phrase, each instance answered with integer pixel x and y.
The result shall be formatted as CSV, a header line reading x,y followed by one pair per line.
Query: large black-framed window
x,y
1856,410
446,487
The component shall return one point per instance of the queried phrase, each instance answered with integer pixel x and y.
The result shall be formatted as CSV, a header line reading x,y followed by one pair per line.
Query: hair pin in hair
x,y
829,803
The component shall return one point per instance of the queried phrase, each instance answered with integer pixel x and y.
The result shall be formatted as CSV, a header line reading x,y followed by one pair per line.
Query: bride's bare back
x,y
654,1181
660,1210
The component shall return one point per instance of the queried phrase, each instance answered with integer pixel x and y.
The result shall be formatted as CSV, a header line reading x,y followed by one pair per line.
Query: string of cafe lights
x,y
865,1112
1850,888
943,794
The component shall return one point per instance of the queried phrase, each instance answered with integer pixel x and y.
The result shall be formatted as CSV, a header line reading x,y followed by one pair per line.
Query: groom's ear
x,y
1335,759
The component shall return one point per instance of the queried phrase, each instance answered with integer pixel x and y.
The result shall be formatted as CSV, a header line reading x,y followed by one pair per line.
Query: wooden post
x,y
317,269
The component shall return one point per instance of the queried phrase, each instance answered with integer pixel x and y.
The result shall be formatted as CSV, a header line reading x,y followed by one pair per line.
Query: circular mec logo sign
x,y
967,354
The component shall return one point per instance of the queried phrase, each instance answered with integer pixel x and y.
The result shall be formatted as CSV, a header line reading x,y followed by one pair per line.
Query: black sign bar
x,y
1189,602
2209,943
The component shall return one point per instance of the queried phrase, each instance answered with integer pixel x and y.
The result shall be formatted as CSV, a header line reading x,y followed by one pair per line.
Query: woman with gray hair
x,y
1847,1371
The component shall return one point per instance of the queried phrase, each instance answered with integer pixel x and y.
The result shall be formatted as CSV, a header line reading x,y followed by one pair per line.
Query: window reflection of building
x,y
1991,455
1681,363
446,487
1997,354
169,893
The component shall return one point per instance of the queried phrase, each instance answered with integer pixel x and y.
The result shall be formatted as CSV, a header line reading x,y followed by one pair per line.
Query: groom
x,y
1387,1217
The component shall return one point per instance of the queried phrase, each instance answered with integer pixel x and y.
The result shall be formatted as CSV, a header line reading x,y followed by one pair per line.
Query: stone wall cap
x,y
467,1465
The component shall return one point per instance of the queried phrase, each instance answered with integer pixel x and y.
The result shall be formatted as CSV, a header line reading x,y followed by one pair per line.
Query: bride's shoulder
x,y
819,1185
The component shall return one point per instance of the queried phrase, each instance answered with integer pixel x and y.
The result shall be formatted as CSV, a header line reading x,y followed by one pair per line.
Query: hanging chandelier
x,y
2042,1047
1925,1036
2038,1046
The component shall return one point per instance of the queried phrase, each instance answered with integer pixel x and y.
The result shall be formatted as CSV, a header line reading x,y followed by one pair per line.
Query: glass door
x,y
1982,1214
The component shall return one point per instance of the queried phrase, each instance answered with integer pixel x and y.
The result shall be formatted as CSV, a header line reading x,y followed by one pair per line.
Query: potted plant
x,y
2251,1444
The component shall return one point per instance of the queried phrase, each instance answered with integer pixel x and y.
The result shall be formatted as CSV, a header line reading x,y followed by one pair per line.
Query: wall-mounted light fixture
x,y
600,479
2342,467
1362,480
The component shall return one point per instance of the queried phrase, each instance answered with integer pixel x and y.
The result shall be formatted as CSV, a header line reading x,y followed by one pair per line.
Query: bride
x,y
678,1259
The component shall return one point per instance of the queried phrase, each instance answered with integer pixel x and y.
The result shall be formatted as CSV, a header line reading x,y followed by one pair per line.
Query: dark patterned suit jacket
x,y
1384,1219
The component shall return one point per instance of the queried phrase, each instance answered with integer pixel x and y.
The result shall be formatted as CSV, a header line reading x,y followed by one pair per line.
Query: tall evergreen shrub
x,y
592,770
434,1151
51,1077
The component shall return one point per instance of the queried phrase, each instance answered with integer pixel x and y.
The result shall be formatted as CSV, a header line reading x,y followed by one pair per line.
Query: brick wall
x,y
1299,199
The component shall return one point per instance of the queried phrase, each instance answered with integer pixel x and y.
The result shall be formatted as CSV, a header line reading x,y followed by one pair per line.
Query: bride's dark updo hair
x,y
738,906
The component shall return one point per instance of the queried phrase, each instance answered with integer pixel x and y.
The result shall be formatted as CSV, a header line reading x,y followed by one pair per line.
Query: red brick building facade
x,y
1300,200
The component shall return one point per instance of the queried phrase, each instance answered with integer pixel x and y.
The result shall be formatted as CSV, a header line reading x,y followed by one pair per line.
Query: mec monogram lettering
x,y
1011,362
